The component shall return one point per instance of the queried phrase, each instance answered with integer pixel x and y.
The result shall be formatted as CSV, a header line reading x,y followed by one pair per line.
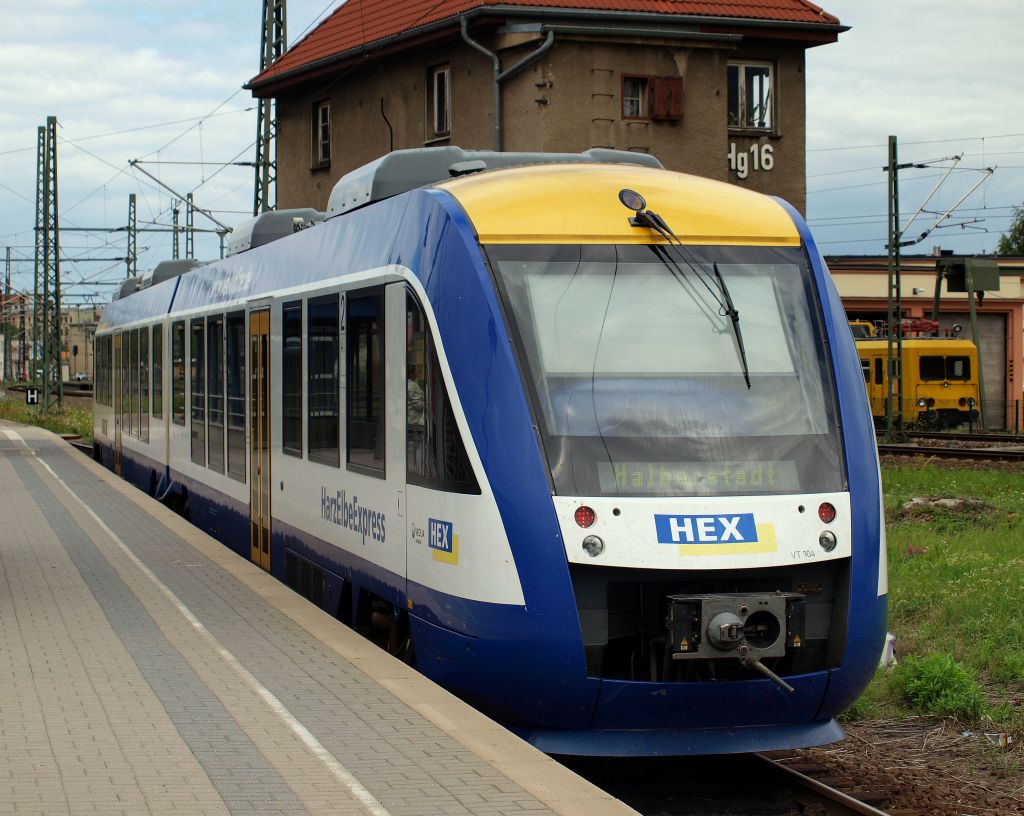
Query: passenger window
x,y
291,378
198,393
865,366
236,394
103,386
132,428
178,373
158,371
124,386
435,454
323,362
958,368
144,384
878,371
932,368
215,385
364,344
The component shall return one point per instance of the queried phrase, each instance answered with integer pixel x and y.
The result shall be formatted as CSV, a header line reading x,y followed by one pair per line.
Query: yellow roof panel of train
x,y
919,345
579,204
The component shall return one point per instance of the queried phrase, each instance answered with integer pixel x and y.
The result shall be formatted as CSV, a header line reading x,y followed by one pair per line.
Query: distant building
x,y
78,325
711,88
863,286
13,316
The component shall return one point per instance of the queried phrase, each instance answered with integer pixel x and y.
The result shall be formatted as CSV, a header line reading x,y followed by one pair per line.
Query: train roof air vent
x,y
165,270
129,287
270,226
404,170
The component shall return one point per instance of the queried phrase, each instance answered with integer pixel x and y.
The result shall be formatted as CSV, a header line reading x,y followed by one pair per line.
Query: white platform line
x,y
337,770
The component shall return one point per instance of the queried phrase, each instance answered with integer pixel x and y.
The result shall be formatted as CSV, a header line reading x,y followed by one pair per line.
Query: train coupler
x,y
746,626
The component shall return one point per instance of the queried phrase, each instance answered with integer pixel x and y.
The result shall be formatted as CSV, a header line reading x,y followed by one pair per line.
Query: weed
x,y
862,709
936,684
66,419
1000,762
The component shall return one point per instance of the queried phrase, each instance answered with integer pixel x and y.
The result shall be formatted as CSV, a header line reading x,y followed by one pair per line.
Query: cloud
x,y
940,75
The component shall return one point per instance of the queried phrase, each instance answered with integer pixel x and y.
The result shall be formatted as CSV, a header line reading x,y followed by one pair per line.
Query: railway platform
x,y
146,669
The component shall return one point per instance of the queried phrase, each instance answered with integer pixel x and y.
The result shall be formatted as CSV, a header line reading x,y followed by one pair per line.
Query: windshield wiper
x,y
643,217
730,311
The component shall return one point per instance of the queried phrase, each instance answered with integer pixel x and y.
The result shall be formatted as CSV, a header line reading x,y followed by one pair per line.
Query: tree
x,y
1012,243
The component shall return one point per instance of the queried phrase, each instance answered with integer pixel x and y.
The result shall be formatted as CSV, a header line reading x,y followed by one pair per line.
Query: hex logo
x,y
727,529
729,533
443,542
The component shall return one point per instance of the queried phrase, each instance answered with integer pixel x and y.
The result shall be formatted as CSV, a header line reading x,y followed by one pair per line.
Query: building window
x,y
751,95
322,134
439,94
652,98
634,97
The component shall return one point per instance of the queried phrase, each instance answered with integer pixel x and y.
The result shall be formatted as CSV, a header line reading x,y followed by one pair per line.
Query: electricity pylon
x,y
273,41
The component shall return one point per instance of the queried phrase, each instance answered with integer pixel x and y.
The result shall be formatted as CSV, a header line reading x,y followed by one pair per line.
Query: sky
x,y
160,83
943,77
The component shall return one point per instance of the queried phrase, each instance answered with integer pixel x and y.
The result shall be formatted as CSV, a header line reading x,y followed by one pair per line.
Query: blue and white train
x,y
585,439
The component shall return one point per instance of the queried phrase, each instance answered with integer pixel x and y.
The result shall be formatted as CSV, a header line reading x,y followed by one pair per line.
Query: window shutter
x,y
667,98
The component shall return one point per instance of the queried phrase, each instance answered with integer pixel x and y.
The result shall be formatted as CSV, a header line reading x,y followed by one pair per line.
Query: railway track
x,y
774,784
975,446
940,452
817,792
995,447
980,436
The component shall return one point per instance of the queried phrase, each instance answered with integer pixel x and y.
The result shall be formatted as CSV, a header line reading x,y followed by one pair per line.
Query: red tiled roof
x,y
363,22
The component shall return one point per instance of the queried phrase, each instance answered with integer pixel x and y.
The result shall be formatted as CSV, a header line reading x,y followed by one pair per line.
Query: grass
x,y
956,577
67,419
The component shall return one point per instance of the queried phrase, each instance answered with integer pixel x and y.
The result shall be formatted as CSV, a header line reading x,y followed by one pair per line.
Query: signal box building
x,y
711,88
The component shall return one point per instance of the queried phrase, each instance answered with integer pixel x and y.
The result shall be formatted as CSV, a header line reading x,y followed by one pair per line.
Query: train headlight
x,y
970,402
585,516
632,200
922,402
826,512
827,540
593,546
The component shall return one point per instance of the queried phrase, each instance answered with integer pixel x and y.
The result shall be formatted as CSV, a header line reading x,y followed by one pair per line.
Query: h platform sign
x,y
31,396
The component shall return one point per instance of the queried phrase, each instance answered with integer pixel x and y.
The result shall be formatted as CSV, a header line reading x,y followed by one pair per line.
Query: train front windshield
x,y
637,377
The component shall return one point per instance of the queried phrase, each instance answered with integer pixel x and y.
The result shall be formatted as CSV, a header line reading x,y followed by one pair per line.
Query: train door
x,y
396,349
259,437
117,402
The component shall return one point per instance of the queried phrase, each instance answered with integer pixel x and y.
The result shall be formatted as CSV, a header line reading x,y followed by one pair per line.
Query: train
x,y
939,373
581,438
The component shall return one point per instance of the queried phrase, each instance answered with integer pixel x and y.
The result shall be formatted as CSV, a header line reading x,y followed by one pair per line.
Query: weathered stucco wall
x,y
569,99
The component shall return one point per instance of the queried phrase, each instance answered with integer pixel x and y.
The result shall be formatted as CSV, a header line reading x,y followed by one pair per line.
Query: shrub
x,y
937,684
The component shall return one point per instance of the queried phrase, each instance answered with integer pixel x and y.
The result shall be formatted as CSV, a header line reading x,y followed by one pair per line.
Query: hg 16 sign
x,y
758,157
